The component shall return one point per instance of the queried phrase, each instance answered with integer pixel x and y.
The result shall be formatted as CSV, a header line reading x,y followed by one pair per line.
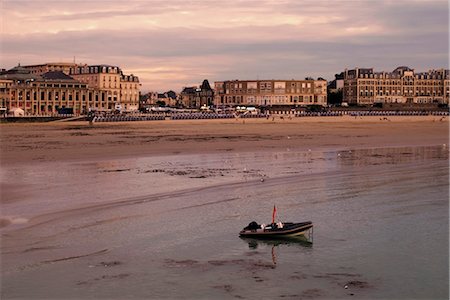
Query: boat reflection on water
x,y
300,241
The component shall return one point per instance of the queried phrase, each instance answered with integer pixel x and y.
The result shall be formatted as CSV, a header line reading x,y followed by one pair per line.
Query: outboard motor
x,y
252,226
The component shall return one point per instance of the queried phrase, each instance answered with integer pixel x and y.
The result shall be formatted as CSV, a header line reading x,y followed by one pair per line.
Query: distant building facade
x,y
403,85
289,93
66,68
196,97
5,94
48,93
160,99
121,89
335,90
188,95
337,84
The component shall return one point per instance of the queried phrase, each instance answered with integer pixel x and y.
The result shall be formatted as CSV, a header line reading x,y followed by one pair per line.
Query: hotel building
x,y
270,93
66,68
403,85
49,93
122,90
54,87
5,95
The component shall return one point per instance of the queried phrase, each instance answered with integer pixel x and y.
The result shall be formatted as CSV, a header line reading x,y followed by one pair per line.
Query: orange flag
x,y
274,213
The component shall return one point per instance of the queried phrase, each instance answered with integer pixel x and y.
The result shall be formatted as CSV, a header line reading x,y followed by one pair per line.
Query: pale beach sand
x,y
78,140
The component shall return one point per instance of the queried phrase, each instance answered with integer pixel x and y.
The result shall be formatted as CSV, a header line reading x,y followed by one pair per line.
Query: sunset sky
x,y
174,43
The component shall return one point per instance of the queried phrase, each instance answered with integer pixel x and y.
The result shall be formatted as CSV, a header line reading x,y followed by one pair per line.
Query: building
x,y
188,95
271,93
334,90
5,94
205,96
121,89
49,93
66,68
337,84
403,85
197,97
160,99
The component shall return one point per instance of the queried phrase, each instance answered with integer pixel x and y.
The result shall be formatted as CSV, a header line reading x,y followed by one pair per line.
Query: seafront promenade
x,y
175,115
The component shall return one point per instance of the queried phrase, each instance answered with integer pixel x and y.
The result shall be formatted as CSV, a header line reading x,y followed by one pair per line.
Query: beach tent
x,y
16,112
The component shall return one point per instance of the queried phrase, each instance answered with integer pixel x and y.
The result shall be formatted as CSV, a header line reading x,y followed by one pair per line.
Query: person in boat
x,y
278,225
255,226
252,226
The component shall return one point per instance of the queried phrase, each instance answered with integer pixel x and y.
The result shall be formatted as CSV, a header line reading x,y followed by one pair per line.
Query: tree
x,y
335,97
171,94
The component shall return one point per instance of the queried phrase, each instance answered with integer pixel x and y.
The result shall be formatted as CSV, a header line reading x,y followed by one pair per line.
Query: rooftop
x,y
57,75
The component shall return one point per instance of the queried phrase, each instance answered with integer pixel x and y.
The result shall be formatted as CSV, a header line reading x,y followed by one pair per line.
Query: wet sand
x,y
151,210
22,143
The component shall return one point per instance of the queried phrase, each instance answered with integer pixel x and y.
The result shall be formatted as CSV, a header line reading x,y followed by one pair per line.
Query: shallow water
x,y
166,227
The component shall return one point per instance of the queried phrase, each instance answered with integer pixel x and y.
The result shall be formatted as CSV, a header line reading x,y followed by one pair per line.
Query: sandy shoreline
x,y
24,143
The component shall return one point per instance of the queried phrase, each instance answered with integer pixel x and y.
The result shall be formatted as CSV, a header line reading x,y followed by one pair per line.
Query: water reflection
x,y
274,243
301,241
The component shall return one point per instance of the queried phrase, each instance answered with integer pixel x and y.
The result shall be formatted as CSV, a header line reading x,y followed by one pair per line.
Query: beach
x,y
79,140
152,210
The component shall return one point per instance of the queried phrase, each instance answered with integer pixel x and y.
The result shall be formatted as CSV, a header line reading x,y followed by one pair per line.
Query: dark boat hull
x,y
288,230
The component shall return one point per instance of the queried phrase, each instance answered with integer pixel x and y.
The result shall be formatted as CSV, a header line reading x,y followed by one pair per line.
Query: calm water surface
x,y
167,227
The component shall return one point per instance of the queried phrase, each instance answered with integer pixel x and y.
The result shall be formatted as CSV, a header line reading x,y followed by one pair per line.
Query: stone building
x,y
5,95
121,89
270,93
188,95
197,97
160,99
49,93
40,69
403,85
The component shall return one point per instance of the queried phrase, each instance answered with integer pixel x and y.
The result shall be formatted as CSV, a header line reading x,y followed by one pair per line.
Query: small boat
x,y
275,230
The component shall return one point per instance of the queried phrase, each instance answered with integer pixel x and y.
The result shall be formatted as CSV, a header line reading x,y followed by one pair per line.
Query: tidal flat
x,y
166,226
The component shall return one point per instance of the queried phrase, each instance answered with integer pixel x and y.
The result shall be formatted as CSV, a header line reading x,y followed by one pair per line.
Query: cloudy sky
x,y
174,43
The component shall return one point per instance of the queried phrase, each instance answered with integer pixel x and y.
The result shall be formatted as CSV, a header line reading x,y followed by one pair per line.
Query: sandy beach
x,y
78,140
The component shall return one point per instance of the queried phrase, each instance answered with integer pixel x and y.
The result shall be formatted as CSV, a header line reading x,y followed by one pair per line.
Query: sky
x,y
171,44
